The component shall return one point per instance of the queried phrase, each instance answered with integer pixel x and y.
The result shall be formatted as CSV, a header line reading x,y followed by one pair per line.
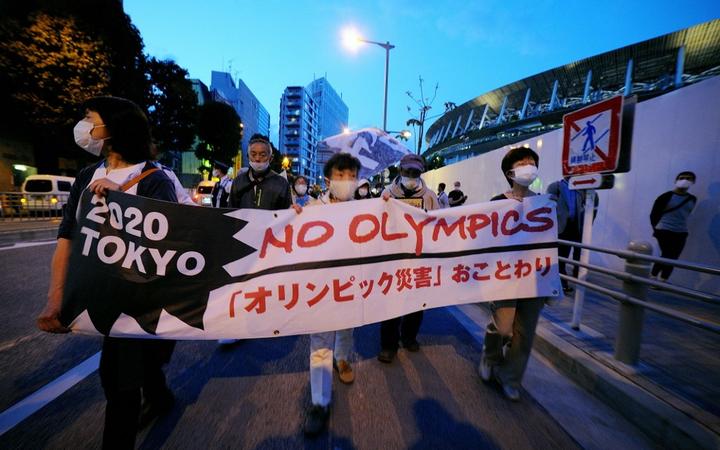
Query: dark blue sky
x,y
467,47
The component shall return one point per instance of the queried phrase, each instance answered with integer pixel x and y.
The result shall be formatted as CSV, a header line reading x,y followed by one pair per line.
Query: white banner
x,y
344,265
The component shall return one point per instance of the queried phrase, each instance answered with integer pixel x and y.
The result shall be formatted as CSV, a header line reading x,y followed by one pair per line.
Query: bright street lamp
x,y
352,40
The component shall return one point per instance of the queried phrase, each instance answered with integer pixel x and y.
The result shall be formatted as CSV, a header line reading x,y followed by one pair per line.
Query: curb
x,y
662,422
8,238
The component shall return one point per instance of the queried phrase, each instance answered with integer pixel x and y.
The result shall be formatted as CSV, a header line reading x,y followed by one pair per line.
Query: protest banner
x,y
152,269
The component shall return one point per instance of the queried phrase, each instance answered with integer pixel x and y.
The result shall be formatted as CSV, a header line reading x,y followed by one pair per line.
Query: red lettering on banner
x,y
504,228
532,216
270,239
232,303
442,224
302,234
418,228
477,223
389,236
355,223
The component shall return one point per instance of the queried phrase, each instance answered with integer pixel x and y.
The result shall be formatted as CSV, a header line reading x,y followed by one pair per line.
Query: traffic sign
x,y
591,138
592,181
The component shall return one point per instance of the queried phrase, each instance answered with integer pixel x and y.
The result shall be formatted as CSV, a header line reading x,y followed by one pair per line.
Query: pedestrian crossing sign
x,y
591,138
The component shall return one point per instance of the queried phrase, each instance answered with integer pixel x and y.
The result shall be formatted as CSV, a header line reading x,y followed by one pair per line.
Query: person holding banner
x,y
330,348
509,335
259,187
411,188
130,369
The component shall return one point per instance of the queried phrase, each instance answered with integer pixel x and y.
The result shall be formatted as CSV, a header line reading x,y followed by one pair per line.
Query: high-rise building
x,y
308,115
332,114
299,131
253,114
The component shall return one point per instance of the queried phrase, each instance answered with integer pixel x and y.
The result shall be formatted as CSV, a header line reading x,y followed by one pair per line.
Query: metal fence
x,y
19,206
633,297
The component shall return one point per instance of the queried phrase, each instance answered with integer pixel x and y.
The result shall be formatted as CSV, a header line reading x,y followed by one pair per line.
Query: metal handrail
x,y
710,326
625,254
708,298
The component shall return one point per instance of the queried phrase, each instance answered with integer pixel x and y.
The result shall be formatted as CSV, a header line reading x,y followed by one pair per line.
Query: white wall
x,y
674,132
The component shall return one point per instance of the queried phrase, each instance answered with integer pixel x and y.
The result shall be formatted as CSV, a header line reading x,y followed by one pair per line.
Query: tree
x,y
220,132
424,105
435,162
172,105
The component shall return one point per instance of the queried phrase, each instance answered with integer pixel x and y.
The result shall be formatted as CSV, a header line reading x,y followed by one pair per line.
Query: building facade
x,y
332,111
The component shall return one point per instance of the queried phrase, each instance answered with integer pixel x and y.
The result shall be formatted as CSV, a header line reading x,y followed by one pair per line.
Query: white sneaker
x,y
227,341
485,369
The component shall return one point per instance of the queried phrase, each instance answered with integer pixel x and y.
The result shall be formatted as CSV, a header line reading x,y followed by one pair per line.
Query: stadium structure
x,y
535,105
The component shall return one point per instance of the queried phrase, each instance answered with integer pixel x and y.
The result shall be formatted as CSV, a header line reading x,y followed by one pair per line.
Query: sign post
x,y
591,148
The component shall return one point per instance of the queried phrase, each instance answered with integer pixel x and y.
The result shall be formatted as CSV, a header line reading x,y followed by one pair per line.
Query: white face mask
x,y
343,190
363,192
259,166
683,184
524,175
84,140
410,183
301,189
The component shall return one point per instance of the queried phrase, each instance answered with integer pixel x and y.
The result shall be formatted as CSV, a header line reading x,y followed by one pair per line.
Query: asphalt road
x,y
254,394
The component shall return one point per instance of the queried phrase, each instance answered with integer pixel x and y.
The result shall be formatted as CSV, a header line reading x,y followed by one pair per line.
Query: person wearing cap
x,y
363,190
300,193
221,190
456,197
513,321
408,185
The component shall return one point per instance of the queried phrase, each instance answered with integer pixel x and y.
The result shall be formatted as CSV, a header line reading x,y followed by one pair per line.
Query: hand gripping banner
x,y
152,269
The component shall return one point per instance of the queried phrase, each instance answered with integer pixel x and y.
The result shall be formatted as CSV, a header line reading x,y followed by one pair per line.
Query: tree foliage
x,y
219,132
172,105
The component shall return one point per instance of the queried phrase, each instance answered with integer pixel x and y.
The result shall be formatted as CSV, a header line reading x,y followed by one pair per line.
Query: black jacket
x,y
270,192
156,185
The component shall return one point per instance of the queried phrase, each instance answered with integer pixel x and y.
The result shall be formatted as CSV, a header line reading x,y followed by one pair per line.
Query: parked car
x,y
46,192
203,193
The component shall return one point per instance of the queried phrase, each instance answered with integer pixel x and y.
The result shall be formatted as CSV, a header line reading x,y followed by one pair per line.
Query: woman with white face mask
x,y
300,191
668,218
363,190
513,321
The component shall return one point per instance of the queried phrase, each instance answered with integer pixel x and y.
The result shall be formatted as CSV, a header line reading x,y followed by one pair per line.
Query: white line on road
x,y
26,244
39,399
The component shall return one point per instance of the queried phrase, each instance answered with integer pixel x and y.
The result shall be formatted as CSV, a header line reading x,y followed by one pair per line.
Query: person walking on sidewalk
x,y
509,335
408,186
669,217
331,348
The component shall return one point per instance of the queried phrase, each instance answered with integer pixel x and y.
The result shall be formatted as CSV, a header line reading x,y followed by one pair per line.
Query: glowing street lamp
x,y
352,40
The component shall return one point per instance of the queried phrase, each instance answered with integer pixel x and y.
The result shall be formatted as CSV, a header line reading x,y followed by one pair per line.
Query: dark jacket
x,y
270,192
660,205
156,185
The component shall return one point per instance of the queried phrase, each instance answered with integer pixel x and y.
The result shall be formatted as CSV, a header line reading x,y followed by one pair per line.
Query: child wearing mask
x,y
330,348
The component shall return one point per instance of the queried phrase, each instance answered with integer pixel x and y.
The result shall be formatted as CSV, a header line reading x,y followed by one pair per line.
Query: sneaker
x,y
227,341
485,369
316,419
511,393
411,346
345,372
386,355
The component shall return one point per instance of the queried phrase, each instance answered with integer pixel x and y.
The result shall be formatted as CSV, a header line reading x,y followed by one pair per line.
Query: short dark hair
x,y
127,125
300,177
222,167
258,138
341,161
517,154
686,173
441,186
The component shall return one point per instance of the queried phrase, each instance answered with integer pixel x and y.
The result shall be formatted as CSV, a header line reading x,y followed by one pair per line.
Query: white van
x,y
203,193
46,192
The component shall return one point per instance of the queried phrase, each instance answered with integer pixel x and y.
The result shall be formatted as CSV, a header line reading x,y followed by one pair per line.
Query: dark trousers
x,y
571,233
671,245
403,328
131,369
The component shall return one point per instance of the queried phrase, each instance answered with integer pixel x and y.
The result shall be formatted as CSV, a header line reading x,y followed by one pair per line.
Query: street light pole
x,y
387,46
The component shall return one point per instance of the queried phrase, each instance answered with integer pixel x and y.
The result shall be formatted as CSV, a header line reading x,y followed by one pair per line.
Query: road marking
x,y
39,399
27,244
